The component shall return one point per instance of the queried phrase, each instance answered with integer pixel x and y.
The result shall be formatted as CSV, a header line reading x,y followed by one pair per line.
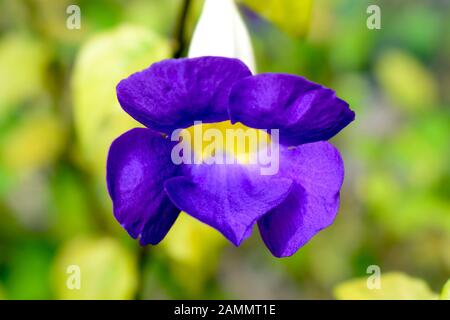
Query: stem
x,y
180,29
141,262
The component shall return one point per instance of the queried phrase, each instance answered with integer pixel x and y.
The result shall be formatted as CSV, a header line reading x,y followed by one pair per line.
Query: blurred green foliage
x,y
108,270
59,113
291,16
445,294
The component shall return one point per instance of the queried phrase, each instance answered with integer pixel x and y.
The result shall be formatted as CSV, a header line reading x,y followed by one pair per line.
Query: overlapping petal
x,y
318,172
230,198
304,111
174,93
138,164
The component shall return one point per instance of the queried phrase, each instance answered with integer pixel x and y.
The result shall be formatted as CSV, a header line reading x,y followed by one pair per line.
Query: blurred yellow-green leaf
x,y
292,16
406,80
400,209
36,141
102,63
157,15
52,20
189,244
72,213
394,286
23,62
190,241
106,270
423,161
445,293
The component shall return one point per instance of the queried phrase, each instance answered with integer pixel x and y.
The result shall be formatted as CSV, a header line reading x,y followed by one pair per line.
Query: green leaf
x,y
23,63
394,286
291,16
72,214
189,244
400,186
102,63
36,141
423,162
406,81
107,270
445,293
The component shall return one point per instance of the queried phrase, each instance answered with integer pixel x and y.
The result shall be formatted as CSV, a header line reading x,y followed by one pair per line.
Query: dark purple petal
x,y
174,93
318,172
229,198
138,164
304,111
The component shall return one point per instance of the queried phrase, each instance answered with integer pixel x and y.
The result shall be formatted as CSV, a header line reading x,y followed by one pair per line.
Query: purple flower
x,y
148,190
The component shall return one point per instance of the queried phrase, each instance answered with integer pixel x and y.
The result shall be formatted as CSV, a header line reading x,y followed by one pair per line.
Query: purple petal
x,y
318,172
174,93
229,198
303,110
138,164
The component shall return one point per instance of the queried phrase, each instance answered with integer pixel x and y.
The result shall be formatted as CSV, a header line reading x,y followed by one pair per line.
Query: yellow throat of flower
x,y
223,139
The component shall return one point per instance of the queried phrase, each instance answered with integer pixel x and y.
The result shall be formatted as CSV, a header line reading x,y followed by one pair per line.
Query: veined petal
x,y
304,111
229,198
318,172
174,93
138,164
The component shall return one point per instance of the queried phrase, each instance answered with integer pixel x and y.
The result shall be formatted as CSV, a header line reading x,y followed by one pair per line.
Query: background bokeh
x,y
59,113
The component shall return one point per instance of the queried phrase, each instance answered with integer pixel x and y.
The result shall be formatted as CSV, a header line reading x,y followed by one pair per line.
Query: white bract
x,y
221,31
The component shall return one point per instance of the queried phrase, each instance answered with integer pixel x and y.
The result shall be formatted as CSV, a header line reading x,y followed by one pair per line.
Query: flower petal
x,y
138,164
229,198
318,172
304,111
174,93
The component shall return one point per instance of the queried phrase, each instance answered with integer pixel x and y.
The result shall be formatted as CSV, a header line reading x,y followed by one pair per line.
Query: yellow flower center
x,y
223,139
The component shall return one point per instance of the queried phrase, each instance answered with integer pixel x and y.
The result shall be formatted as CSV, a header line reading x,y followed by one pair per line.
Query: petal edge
x,y
138,164
302,110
